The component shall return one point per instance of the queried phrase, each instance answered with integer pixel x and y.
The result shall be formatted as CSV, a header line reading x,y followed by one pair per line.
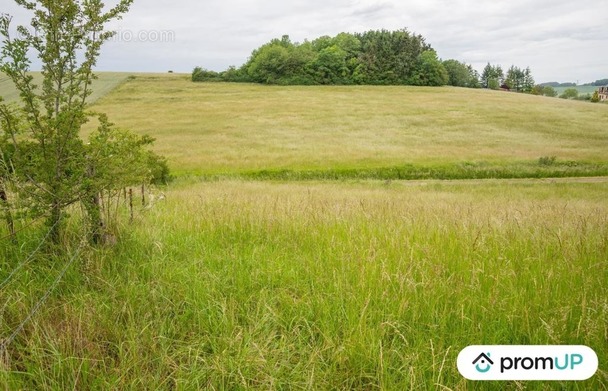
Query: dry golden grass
x,y
211,128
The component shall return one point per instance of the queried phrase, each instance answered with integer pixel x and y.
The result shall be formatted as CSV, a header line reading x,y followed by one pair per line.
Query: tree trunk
x,y
93,207
55,222
131,205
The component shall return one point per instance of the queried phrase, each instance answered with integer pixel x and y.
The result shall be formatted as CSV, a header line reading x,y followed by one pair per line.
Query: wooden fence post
x,y
8,215
131,204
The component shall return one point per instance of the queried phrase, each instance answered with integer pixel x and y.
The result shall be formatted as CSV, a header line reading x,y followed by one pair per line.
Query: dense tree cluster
x,y
374,57
461,74
599,83
516,79
379,57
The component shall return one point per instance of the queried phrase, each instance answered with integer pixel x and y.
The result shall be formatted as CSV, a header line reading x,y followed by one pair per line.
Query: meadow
x,y
582,90
227,129
104,84
238,280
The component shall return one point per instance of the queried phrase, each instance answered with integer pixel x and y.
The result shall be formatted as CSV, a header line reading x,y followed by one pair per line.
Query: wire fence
x,y
42,300
4,344
26,226
29,258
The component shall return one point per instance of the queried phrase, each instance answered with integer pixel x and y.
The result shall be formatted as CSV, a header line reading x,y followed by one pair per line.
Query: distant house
x,y
603,93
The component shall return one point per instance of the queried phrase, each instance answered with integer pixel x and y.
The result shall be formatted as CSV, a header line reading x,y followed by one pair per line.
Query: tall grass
x,y
467,170
245,285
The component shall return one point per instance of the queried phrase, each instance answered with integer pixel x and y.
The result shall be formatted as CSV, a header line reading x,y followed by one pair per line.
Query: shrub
x,y
547,160
569,93
159,169
202,74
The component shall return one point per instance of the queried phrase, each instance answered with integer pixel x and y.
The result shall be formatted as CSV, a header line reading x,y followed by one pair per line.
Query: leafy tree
x,y
528,81
330,66
202,74
389,57
232,74
52,166
430,71
458,73
473,78
461,75
569,93
492,77
268,63
281,62
596,97
549,91
544,89
377,57
298,65
515,78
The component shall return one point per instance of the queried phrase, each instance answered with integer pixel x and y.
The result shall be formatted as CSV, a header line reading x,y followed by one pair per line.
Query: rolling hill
x,y
224,128
250,284
104,84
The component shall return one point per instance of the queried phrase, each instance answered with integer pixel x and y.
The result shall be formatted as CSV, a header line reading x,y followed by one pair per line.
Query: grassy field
x,y
106,83
582,90
253,285
278,275
234,128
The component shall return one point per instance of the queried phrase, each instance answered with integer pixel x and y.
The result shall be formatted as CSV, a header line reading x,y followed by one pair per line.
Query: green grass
x,y
220,128
582,90
291,253
104,84
248,285
444,171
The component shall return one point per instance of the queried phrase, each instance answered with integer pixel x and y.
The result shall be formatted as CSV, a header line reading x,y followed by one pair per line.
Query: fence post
x,y
8,215
131,204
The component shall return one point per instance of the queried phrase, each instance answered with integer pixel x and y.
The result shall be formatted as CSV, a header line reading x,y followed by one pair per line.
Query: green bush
x,y
201,74
569,93
547,160
159,169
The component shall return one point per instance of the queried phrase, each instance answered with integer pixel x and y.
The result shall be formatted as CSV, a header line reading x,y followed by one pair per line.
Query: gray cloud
x,y
560,40
377,10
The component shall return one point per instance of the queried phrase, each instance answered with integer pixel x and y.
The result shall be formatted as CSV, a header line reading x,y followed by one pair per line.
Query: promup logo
x,y
483,363
527,363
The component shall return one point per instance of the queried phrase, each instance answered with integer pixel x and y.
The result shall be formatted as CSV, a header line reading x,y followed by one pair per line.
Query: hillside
x,y
234,128
324,284
105,83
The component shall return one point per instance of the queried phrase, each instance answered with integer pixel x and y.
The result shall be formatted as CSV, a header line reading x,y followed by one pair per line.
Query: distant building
x,y
603,93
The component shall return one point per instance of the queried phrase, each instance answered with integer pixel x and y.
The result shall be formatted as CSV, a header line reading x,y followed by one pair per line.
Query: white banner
x,y
521,362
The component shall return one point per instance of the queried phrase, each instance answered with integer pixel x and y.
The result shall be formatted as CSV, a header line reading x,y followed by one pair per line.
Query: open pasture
x,y
350,284
224,128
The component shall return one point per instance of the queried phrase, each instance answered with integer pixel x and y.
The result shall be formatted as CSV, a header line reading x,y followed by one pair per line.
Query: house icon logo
x,y
483,363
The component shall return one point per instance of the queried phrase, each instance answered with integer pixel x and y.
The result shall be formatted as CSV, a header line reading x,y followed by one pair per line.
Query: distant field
x,y
582,90
106,82
236,128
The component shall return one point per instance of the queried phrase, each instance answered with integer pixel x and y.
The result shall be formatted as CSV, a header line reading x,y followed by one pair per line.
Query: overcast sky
x,y
560,40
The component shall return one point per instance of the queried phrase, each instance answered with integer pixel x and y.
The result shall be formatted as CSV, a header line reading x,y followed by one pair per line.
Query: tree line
x,y
379,57
375,57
